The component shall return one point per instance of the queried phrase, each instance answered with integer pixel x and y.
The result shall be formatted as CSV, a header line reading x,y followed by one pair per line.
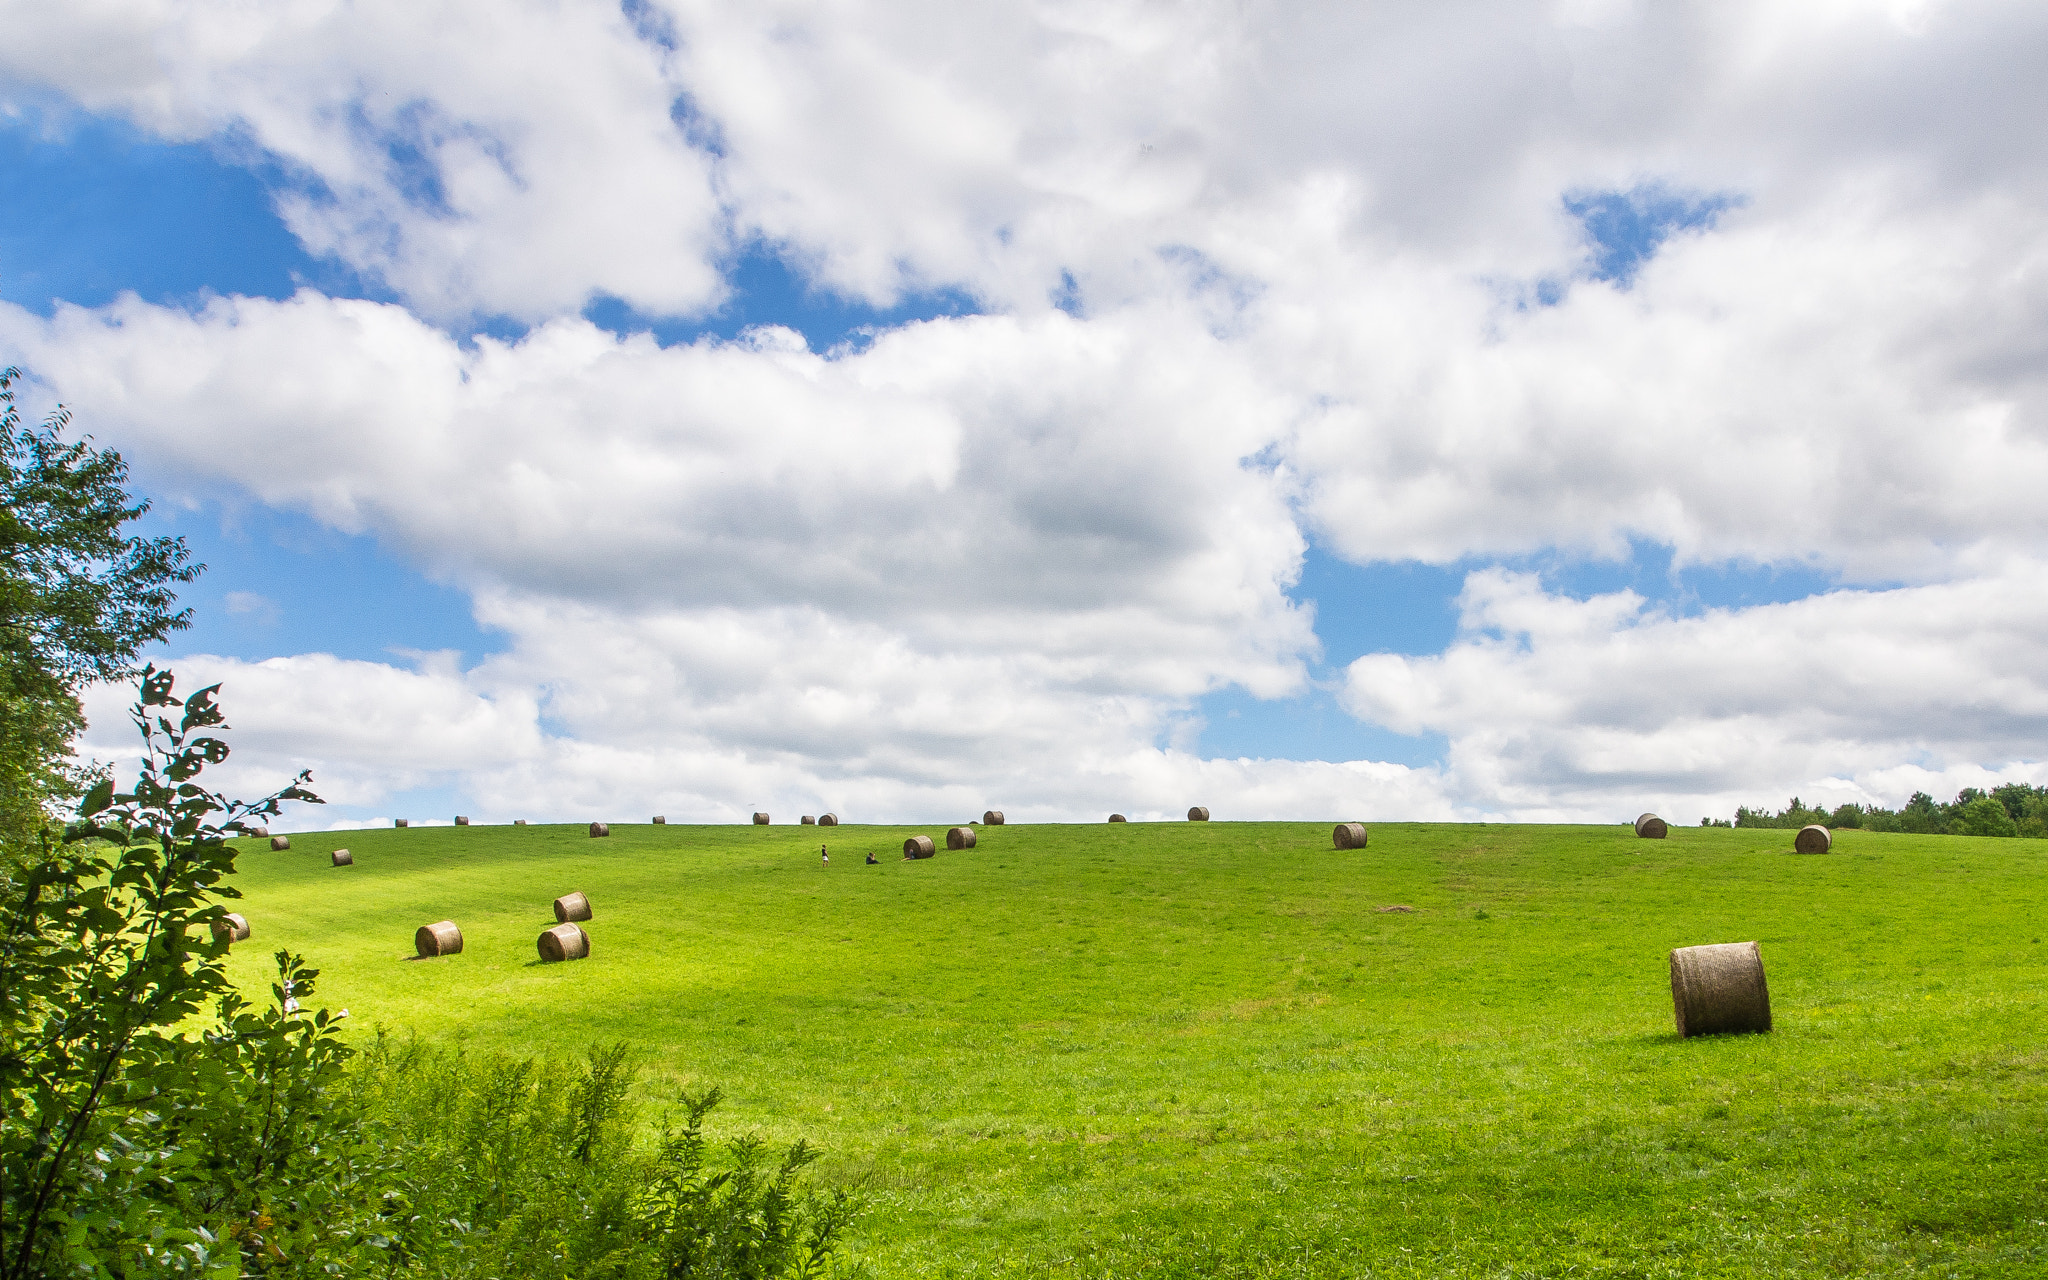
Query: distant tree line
x,y
2014,809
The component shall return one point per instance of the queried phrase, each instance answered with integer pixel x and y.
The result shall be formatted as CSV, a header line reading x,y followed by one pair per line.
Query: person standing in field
x,y
824,858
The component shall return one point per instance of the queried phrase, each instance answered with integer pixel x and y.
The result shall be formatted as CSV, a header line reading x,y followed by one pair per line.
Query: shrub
x,y
1984,816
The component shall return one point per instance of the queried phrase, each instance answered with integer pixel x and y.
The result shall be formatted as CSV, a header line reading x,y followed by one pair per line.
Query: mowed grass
x,y
1200,1049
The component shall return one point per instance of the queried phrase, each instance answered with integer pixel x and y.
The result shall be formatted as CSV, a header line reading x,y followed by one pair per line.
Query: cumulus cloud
x,y
1320,277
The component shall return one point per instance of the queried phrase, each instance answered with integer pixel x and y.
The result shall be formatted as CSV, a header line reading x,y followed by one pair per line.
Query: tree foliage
x,y
2014,809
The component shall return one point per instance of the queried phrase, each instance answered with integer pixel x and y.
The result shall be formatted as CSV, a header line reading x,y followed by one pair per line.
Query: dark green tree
x,y
79,598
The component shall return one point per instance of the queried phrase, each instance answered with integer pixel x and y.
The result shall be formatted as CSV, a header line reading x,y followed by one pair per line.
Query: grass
x,y
1200,1049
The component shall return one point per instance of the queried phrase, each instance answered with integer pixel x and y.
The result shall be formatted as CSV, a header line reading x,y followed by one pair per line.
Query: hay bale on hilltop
x,y
760,819
993,818
571,907
1651,827
828,819
919,847
401,822
660,820
260,833
599,830
461,821
1349,835
342,858
960,838
1813,839
1198,814
1719,988
280,842
564,942
441,938
232,927
1117,817
518,822
807,820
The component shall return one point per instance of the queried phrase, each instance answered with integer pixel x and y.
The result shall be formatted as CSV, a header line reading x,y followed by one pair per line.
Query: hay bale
x,y
1651,827
259,832
660,820
1198,814
571,907
232,927
401,822
828,819
993,818
807,821
960,838
342,858
1813,839
760,819
1117,817
599,830
280,842
918,847
564,942
461,821
1719,988
1349,835
518,822
438,939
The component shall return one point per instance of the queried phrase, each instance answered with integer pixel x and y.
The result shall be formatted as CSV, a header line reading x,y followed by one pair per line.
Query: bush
x,y
1984,816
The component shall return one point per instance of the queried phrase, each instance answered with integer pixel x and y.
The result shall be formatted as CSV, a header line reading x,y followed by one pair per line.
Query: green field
x,y
1199,1049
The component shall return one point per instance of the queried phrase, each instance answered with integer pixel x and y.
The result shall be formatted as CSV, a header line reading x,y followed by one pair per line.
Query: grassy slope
x,y
1197,1049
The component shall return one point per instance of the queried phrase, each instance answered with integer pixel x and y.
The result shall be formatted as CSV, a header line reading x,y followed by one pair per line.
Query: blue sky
x,y
1090,352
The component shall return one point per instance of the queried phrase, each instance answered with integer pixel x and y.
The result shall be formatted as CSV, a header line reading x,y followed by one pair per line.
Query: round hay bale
x,y
1651,827
599,830
760,819
461,821
401,822
564,942
807,821
343,858
280,842
828,819
1117,817
918,847
518,822
438,939
960,838
1813,839
232,927
1349,835
1719,988
571,907
993,818
1198,814
259,832
660,820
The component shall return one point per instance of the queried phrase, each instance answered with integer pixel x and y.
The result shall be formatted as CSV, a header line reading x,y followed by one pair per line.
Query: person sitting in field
x,y
871,858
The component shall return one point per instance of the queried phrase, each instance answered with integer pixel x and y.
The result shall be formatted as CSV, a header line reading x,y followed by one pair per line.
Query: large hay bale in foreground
x,y
599,830
1719,988
342,858
919,847
461,821
960,838
1117,817
993,818
564,942
280,842
232,927
441,938
1349,835
1813,839
1198,814
1651,827
807,820
760,819
828,819
571,907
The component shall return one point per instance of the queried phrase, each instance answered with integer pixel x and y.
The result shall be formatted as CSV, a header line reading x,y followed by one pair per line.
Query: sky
x,y
1541,412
